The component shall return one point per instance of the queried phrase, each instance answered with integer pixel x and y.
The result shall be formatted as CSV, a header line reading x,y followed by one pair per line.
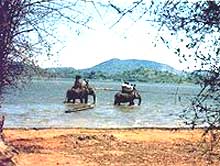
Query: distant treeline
x,y
141,74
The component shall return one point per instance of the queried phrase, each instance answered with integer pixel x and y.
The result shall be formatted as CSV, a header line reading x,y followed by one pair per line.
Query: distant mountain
x,y
61,71
113,66
117,70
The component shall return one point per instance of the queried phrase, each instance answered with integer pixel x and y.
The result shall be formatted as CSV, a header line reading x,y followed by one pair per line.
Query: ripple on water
x,y
41,105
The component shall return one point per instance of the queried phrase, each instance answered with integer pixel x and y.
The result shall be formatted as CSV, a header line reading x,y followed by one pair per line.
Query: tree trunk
x,y
6,152
2,120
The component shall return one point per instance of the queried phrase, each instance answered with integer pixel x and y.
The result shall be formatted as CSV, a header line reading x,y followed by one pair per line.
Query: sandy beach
x,y
98,147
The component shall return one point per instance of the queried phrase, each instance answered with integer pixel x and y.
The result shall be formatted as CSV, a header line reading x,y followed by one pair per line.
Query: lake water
x,y
41,105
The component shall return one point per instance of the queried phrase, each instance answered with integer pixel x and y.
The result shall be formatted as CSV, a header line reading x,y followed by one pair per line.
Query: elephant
x,y
81,94
127,97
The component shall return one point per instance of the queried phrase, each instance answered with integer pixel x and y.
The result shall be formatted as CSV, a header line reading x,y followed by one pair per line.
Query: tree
x,y
199,22
196,25
27,31
191,29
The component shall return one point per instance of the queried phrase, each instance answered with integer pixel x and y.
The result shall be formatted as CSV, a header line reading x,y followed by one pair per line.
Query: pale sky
x,y
126,40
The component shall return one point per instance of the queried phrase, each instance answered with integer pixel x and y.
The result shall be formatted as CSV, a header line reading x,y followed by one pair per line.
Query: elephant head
x,y
137,96
91,92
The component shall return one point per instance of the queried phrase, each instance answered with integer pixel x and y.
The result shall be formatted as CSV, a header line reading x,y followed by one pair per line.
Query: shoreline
x,y
109,128
95,147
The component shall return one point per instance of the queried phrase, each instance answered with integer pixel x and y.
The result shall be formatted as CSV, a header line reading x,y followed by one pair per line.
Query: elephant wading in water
x,y
81,94
127,97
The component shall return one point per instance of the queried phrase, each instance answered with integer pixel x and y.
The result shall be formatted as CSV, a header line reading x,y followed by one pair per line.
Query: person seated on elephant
x,y
126,87
84,84
76,83
134,86
80,83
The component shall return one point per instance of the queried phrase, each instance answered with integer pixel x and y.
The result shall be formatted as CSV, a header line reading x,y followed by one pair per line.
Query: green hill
x,y
130,70
114,66
61,72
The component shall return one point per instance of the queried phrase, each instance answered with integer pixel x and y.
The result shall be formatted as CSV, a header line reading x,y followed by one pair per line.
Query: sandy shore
x,y
79,147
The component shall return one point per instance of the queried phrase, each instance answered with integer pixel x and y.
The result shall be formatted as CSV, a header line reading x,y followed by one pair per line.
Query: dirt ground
x,y
104,147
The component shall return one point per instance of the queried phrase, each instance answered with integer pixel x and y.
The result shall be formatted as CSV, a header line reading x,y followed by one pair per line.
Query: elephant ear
x,y
135,93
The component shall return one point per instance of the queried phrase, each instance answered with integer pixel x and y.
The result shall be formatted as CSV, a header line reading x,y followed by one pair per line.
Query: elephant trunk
x,y
94,98
139,102
91,92
137,96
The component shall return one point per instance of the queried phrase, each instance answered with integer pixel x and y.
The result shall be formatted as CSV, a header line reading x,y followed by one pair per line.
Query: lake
x,y
41,105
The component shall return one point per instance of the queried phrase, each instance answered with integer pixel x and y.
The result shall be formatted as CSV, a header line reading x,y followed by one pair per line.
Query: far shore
x,y
126,146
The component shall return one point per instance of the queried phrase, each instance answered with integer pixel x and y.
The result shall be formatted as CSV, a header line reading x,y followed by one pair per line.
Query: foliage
x,y
152,76
141,74
198,23
61,72
27,30
191,29
196,26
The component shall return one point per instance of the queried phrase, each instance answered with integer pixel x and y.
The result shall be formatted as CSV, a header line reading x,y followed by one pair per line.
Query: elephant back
x,y
122,94
133,94
71,92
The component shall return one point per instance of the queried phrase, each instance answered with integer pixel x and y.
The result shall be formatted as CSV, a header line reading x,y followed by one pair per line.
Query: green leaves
x,y
199,21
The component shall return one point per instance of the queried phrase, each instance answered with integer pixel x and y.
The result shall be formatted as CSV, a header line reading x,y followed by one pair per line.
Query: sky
x,y
126,40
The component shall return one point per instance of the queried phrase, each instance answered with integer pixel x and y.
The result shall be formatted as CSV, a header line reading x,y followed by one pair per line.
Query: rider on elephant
x,y
127,88
80,90
80,83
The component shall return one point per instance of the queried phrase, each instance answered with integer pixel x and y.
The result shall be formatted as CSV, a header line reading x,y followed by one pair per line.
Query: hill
x,y
131,70
114,66
61,71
